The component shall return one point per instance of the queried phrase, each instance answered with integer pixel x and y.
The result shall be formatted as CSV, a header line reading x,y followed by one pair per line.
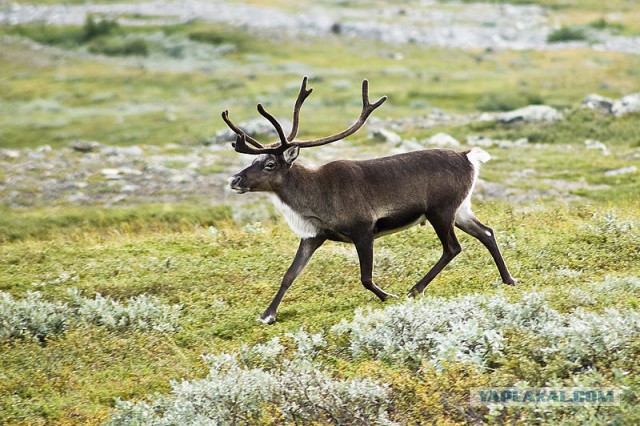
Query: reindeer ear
x,y
291,153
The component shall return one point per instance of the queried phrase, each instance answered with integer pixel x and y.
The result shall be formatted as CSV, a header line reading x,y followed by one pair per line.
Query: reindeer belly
x,y
397,222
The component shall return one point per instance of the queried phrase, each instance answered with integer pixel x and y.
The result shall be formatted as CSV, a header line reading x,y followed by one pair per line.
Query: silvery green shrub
x,y
433,329
142,313
34,317
240,386
309,346
475,329
294,386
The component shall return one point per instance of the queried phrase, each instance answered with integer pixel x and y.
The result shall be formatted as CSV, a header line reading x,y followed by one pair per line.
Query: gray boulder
x,y
384,135
531,114
598,103
85,146
626,105
443,140
622,171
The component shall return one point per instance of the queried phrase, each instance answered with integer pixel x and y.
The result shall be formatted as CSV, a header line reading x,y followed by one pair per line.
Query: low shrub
x,y
485,331
98,27
67,36
102,36
508,101
566,34
603,24
51,35
142,313
419,360
34,317
222,36
261,385
119,47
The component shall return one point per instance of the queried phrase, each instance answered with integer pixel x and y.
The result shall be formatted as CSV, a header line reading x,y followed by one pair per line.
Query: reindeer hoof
x,y
511,281
413,293
268,319
384,296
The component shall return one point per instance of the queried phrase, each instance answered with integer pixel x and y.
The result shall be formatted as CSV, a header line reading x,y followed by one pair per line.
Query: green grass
x,y
44,223
47,101
224,273
225,280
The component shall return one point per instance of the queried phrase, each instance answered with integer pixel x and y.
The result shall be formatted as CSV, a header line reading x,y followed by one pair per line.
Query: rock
x,y
531,114
115,200
442,139
111,174
130,171
384,135
486,116
622,171
85,146
129,188
408,145
598,103
620,107
78,197
482,141
127,151
9,153
485,142
516,143
115,174
180,178
626,105
594,144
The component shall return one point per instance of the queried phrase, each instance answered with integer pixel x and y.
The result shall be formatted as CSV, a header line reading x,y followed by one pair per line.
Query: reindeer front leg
x,y
307,247
364,247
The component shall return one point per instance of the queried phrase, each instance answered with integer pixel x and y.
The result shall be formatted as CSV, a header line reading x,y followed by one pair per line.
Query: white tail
x,y
477,156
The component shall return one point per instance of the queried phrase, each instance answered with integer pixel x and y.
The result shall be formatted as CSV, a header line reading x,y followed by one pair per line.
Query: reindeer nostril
x,y
236,183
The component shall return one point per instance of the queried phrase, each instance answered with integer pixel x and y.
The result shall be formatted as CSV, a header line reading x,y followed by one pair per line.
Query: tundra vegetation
x,y
130,282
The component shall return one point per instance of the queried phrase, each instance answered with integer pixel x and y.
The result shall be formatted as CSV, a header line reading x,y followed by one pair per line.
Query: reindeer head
x,y
274,160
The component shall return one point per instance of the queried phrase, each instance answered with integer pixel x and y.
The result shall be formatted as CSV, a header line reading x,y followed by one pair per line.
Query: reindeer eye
x,y
270,165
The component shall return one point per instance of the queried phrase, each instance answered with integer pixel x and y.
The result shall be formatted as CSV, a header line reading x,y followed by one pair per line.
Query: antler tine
x,y
367,109
239,132
365,99
240,145
283,140
302,96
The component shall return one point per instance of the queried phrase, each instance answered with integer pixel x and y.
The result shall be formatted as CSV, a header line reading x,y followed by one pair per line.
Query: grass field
x,y
122,314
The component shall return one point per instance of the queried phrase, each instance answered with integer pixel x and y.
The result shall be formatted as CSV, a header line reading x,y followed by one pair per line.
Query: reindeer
x,y
357,201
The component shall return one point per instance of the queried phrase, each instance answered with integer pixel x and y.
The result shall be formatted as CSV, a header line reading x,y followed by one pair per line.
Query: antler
x,y
367,109
241,145
241,135
284,143
304,93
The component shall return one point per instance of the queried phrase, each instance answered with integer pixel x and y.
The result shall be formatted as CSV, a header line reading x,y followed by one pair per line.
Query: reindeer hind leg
x,y
442,223
467,221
